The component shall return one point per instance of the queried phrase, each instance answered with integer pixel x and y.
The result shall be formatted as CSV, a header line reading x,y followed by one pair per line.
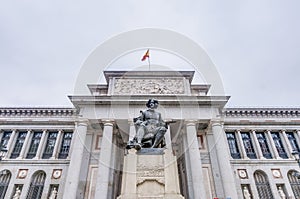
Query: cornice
x,y
36,112
261,112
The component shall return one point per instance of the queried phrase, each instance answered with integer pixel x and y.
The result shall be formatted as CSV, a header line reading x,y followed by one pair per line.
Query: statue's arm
x,y
139,120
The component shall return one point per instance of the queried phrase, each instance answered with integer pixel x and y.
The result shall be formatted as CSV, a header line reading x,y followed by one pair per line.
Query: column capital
x,y
190,122
216,122
82,122
108,122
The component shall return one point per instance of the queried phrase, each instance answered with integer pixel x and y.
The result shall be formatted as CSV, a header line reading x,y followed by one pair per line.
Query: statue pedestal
x,y
150,174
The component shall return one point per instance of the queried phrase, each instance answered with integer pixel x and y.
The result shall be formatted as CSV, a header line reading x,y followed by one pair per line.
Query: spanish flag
x,y
146,55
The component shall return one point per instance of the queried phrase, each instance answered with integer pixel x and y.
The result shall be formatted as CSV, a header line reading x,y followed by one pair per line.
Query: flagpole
x,y
149,62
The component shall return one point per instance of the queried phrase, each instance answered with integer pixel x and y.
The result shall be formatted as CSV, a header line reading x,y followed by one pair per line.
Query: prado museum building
x,y
196,147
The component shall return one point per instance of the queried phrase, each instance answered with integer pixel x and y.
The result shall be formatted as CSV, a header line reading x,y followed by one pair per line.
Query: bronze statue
x,y
150,128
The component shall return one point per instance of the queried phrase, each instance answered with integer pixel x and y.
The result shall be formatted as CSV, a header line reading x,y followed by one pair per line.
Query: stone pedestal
x,y
150,174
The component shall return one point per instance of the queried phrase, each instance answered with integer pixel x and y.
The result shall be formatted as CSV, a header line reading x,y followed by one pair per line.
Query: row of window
x,y
37,138
264,190
263,142
35,190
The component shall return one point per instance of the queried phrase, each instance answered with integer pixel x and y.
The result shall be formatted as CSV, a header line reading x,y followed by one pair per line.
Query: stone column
x,y
72,178
104,164
257,146
195,164
224,157
241,144
41,145
10,143
25,144
288,144
214,164
273,147
57,145
171,171
131,130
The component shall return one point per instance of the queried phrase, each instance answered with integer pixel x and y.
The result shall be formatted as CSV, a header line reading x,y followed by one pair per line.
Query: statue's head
x,y
152,103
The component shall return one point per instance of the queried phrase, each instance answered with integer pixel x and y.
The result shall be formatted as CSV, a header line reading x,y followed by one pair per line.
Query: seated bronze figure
x,y
150,128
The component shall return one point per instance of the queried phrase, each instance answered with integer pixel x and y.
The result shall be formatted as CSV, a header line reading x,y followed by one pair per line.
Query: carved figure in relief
x,y
246,193
281,193
53,193
17,193
150,128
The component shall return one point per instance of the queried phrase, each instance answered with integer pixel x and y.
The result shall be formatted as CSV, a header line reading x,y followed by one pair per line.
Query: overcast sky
x,y
253,43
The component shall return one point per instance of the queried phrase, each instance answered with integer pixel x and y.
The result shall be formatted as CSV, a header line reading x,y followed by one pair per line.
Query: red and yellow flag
x,y
146,55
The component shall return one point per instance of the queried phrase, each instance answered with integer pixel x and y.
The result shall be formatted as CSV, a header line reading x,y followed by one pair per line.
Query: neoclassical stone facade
x,y
211,151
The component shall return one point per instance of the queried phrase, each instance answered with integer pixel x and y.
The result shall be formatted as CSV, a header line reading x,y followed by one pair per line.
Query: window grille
x,y
37,185
248,145
5,176
65,146
50,145
36,138
19,144
294,182
262,185
279,146
264,145
233,146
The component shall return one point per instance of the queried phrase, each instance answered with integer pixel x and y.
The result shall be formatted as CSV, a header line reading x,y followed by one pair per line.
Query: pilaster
x,y
11,143
257,146
57,145
25,144
273,147
41,145
287,143
241,144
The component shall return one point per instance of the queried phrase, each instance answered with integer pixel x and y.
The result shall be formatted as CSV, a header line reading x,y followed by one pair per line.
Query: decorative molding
x,y
262,112
276,173
243,173
22,173
56,174
37,112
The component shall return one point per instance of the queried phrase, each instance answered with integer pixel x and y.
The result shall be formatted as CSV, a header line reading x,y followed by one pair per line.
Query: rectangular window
x,y
19,144
231,139
292,141
36,138
5,139
65,145
50,145
248,145
264,145
278,144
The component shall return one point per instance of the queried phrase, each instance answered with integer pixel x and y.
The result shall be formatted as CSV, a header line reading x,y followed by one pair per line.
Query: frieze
x,y
149,86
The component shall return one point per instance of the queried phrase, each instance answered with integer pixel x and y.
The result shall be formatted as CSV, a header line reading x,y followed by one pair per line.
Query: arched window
x,y
36,185
294,182
5,176
262,185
